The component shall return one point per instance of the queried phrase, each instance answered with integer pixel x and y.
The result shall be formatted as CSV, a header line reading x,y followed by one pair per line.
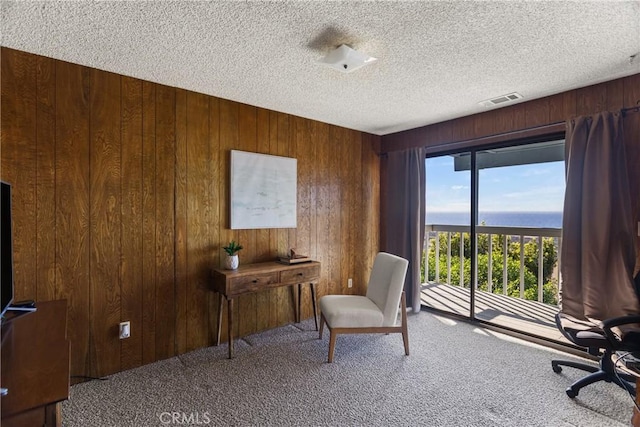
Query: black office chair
x,y
596,338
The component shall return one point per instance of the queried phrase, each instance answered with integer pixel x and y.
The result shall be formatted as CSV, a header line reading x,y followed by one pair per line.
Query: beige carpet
x,y
457,375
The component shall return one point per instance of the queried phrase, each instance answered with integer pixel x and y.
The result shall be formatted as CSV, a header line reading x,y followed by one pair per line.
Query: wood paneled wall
x,y
120,206
608,96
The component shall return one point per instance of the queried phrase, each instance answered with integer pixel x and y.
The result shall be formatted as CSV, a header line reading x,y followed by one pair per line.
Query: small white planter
x,y
231,262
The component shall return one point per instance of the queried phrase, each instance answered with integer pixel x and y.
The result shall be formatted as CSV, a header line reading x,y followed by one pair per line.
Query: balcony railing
x,y
511,241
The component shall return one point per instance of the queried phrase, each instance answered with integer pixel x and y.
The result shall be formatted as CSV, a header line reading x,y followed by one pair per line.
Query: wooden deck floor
x,y
530,317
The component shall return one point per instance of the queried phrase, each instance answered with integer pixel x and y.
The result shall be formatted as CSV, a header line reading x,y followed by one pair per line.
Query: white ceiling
x,y
437,59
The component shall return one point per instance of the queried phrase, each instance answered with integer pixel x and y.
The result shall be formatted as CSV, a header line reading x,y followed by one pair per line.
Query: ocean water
x,y
504,219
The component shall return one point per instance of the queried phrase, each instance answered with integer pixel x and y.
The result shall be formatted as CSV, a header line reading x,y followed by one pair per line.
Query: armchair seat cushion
x,y
350,311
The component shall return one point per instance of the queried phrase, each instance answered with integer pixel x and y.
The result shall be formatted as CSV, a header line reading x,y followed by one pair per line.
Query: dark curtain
x,y
598,227
405,214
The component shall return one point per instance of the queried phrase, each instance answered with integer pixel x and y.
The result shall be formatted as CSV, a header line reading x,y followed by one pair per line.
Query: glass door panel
x,y
520,200
446,261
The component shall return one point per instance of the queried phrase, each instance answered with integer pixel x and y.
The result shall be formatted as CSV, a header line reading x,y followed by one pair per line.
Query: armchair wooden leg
x,y
405,330
313,302
332,345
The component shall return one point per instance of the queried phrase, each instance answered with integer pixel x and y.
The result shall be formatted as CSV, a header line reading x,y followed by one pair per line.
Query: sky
x,y
523,188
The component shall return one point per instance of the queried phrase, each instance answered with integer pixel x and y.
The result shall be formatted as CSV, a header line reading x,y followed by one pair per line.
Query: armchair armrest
x,y
608,324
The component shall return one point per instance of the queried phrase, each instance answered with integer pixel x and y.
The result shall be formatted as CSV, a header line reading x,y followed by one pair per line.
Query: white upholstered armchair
x,y
374,313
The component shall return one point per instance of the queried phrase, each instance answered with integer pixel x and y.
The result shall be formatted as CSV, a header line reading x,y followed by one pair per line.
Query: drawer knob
x,y
300,274
255,280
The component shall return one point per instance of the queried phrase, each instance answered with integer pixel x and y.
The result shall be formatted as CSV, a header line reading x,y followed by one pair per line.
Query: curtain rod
x,y
631,109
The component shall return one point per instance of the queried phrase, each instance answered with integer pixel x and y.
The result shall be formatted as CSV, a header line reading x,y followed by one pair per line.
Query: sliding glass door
x,y
494,222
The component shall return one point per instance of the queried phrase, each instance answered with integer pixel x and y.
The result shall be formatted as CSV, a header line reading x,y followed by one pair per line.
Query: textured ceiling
x,y
437,60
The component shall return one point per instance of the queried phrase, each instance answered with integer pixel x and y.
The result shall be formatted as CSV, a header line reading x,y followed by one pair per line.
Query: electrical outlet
x,y
125,330
350,283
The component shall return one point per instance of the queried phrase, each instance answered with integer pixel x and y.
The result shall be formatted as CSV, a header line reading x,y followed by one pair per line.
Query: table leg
x,y
219,319
230,325
313,302
293,300
298,313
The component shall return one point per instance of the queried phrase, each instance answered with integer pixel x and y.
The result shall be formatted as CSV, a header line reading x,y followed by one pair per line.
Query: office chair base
x,y
605,372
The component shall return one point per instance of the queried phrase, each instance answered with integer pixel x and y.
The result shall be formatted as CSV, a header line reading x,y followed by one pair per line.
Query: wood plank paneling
x,y
314,129
631,88
536,112
615,94
46,179
148,222
356,234
164,218
335,216
370,202
292,152
104,219
131,282
181,250
323,197
72,207
443,132
345,211
591,99
198,221
503,121
519,116
346,205
303,229
463,128
484,124
562,106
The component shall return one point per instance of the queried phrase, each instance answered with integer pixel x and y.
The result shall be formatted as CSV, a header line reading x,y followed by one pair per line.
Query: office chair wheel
x,y
571,392
556,368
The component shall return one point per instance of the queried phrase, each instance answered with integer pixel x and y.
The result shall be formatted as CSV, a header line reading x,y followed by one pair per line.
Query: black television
x,y
6,248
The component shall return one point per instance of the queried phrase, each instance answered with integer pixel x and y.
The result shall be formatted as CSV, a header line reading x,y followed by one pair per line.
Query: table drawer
x,y
252,282
300,275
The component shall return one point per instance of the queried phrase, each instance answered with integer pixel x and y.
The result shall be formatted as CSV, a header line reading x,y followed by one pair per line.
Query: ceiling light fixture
x,y
346,60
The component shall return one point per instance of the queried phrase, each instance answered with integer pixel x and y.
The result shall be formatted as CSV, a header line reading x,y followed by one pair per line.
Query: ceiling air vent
x,y
501,100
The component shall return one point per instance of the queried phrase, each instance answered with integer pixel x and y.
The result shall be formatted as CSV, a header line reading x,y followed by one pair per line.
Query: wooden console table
x,y
257,277
35,366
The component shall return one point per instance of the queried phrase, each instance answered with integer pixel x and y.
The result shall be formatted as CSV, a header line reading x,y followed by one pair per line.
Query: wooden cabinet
x,y
35,366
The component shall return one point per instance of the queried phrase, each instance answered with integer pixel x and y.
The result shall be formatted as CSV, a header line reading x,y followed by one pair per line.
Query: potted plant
x,y
231,261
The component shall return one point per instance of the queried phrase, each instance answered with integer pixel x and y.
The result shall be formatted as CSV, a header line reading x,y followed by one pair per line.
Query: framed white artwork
x,y
263,191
